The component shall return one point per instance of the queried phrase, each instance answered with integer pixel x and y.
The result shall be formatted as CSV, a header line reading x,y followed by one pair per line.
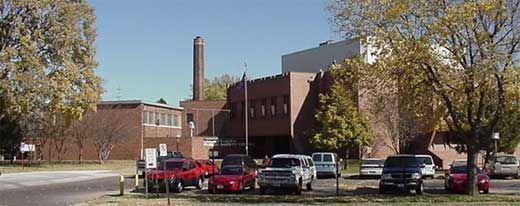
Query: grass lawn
x,y
125,167
228,199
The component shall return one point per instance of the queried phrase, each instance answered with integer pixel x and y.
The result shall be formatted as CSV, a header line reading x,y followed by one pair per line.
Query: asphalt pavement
x,y
57,188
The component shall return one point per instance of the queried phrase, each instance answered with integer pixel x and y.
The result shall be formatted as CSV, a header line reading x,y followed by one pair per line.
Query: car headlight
x,y
386,176
416,175
232,182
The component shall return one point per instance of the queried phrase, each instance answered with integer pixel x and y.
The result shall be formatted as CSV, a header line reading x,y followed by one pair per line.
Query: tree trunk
x,y
80,158
472,168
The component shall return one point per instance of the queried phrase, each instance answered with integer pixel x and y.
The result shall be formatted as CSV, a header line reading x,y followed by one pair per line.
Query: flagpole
x,y
246,110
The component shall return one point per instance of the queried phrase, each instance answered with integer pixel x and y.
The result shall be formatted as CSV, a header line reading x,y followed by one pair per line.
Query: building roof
x,y
140,102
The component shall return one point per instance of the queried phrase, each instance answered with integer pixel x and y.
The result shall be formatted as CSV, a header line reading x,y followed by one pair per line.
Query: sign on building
x,y
210,141
151,158
163,150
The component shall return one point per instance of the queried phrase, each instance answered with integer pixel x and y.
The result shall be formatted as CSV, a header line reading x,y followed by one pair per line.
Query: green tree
x,y
461,51
162,101
47,60
216,89
339,123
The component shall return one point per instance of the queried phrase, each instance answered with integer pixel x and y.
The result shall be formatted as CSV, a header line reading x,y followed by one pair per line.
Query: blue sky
x,y
145,47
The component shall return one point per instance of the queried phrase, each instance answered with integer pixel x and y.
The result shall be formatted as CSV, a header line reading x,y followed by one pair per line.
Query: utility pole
x,y
246,109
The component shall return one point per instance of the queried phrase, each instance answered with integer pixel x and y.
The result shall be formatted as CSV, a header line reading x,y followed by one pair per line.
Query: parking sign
x,y
163,151
151,158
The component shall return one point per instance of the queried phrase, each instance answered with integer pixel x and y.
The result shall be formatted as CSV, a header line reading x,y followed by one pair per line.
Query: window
x,y
157,118
151,118
262,107
169,120
163,119
145,117
189,118
252,109
273,106
285,104
175,120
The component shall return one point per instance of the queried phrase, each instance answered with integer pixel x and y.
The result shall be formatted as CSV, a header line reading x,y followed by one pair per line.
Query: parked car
x,y
456,179
401,173
458,162
208,167
504,165
286,171
428,171
326,164
372,167
178,173
141,164
232,178
239,159
312,166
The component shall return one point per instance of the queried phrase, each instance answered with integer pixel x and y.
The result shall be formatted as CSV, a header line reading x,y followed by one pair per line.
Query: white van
x,y
429,166
326,164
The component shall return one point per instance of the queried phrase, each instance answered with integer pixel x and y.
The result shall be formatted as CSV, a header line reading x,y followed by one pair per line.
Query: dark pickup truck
x,y
401,173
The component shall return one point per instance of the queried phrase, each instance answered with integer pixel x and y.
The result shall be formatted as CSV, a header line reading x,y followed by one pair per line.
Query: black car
x,y
239,159
401,173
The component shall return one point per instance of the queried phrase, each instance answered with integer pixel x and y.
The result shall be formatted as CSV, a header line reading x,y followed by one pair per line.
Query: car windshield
x,y
507,160
401,162
327,158
284,162
231,171
316,157
461,170
425,160
173,165
372,162
232,161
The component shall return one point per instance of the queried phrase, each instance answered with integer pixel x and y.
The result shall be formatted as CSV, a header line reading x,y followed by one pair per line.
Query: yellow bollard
x,y
121,185
136,182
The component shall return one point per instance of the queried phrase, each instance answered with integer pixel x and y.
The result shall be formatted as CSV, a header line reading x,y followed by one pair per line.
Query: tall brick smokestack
x,y
198,69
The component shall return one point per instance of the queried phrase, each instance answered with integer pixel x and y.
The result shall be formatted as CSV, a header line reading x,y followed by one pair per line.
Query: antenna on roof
x,y
118,92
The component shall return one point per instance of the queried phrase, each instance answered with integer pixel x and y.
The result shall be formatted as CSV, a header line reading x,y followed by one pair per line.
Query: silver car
x,y
372,167
504,166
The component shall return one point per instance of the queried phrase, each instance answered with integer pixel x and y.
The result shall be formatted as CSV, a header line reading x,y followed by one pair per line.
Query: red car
x,y
232,178
179,173
208,167
456,179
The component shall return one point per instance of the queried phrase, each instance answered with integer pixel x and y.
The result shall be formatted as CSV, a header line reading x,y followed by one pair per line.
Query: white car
x,y
371,167
427,165
326,164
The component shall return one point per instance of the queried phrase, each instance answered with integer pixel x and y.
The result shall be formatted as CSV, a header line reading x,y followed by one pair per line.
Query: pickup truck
x,y
286,171
177,174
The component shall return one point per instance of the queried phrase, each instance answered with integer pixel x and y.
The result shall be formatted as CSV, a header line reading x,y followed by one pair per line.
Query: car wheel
x,y
178,186
200,183
253,185
262,190
299,188
309,185
420,189
381,190
486,191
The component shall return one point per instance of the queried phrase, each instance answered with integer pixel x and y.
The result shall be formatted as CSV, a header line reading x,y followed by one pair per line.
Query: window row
x,y
261,107
159,118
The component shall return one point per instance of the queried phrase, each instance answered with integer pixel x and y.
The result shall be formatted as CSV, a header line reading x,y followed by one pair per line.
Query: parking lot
x,y
352,185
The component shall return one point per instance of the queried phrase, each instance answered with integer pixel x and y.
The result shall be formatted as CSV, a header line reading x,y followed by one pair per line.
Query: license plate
x,y
400,185
220,186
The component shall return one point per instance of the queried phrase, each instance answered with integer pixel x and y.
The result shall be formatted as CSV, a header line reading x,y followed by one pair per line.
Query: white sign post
x,y
151,158
163,151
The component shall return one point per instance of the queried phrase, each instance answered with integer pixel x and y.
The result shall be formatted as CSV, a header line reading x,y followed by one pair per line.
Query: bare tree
x,y
108,129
